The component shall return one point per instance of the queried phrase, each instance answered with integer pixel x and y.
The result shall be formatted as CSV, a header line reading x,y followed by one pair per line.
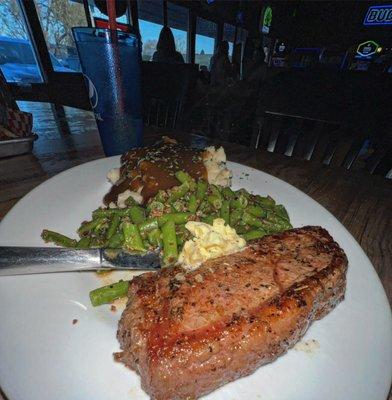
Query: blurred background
x,y
240,69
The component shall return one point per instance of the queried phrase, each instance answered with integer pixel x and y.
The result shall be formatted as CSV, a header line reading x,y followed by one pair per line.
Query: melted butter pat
x,y
210,241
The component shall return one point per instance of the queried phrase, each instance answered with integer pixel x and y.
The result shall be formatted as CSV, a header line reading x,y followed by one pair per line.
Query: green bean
x,y
178,192
235,216
181,234
83,243
155,207
271,228
155,237
256,211
161,196
266,202
275,224
192,204
177,218
130,201
251,220
241,221
107,294
288,225
148,225
225,211
254,234
114,224
170,251
239,201
242,192
137,214
215,191
215,201
132,238
109,212
227,193
116,241
89,226
179,205
209,219
281,211
205,207
58,238
184,177
284,225
241,229
276,219
201,189
101,227
180,241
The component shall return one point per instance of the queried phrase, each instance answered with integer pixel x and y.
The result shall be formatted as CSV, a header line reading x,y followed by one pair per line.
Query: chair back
x,y
165,90
309,139
325,116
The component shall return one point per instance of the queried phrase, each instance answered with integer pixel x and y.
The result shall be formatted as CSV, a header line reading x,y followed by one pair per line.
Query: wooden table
x,y
361,202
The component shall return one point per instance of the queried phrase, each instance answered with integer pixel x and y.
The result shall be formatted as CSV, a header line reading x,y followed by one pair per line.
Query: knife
x,y
39,260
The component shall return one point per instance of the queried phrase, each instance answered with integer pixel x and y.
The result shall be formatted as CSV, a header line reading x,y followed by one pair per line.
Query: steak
x,y
187,333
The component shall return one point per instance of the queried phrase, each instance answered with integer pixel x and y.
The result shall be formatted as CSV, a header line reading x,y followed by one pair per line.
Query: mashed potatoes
x,y
113,175
210,241
215,163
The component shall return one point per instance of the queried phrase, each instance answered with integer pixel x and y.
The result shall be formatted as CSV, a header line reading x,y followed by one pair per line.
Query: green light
x,y
368,48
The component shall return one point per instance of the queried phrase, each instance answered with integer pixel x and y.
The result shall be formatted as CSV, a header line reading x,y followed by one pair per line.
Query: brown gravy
x,y
153,168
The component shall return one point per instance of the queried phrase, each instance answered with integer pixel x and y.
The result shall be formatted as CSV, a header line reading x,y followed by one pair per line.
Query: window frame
x,y
59,87
219,33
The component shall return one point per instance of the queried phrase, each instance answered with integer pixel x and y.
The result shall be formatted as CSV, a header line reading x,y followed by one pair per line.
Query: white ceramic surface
x,y
44,356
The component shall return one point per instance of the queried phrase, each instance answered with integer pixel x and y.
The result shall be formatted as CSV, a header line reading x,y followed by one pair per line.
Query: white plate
x,y
44,356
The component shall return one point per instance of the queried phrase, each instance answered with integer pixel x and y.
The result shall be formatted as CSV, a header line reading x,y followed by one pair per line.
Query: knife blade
x,y
39,260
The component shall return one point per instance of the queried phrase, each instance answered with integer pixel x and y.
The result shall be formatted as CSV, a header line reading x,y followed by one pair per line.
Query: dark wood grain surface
x,y
361,202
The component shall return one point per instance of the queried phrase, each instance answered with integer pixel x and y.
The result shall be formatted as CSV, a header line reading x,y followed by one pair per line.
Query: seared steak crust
x,y
187,334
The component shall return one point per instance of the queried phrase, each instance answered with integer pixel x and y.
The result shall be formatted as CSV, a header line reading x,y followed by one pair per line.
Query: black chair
x,y
307,138
338,119
165,90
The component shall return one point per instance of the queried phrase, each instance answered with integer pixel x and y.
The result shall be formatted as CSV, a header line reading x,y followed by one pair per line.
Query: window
x,y
57,18
17,59
150,25
205,41
177,18
228,34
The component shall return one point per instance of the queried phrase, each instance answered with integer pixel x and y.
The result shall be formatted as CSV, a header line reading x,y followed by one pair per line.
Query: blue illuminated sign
x,y
379,15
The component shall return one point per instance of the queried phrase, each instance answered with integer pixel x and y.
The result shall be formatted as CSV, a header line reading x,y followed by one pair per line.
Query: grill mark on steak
x,y
299,276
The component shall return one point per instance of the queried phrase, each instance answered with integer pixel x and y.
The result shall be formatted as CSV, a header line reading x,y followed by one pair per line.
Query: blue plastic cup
x,y
111,64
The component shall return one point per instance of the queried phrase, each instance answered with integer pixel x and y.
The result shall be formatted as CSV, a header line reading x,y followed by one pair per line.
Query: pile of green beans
x,y
160,224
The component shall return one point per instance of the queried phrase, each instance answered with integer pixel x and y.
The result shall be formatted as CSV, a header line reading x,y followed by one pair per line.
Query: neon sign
x,y
368,48
378,15
267,20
